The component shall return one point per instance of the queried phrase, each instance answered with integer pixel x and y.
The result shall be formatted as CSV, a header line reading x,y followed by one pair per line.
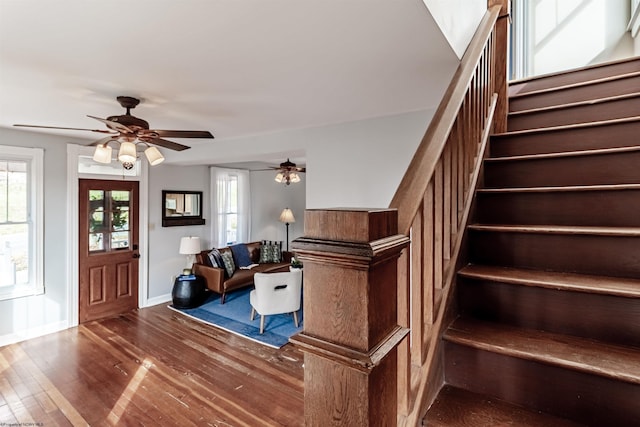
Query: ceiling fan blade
x,y
113,125
183,133
57,127
165,143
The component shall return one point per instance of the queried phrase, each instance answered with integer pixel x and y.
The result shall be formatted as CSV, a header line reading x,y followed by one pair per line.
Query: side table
x,y
189,291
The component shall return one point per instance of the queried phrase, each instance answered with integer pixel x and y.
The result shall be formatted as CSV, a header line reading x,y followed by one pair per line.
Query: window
x,y
108,220
228,189
21,222
230,206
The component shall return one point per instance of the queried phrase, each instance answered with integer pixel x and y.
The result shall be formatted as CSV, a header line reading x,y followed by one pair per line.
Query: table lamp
x,y
189,246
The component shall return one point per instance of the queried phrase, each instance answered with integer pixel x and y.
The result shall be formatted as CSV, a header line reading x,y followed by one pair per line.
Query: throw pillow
x,y
229,266
270,252
264,252
241,255
215,258
276,252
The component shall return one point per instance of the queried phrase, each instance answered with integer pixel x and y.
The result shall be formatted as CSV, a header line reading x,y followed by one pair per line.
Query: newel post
x,y
500,64
350,316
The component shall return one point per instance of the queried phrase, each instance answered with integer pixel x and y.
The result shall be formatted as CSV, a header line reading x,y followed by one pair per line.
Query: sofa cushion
x,y
241,255
229,265
240,279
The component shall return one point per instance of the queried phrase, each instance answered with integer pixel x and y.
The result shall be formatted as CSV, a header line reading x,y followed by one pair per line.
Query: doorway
x,y
108,251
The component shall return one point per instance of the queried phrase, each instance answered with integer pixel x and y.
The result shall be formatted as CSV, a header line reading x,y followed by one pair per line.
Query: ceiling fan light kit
x,y
102,154
288,173
130,131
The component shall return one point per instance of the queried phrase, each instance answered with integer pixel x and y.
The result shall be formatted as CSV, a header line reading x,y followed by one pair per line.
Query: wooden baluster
x,y
404,320
428,262
418,253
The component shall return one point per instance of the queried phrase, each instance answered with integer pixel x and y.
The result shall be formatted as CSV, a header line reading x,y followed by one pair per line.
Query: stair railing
x,y
433,202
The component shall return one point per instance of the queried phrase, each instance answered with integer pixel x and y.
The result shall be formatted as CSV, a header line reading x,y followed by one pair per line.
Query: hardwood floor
x,y
150,367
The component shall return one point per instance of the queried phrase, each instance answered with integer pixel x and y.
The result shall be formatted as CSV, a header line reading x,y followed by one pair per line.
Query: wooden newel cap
x,y
350,225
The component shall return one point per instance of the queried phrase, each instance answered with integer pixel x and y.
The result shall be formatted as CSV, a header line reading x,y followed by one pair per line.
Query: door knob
x,y
136,255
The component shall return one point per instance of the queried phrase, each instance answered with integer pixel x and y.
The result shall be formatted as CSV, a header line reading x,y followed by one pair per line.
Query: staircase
x,y
548,324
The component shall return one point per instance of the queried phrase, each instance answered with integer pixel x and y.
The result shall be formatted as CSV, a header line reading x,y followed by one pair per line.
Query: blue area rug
x,y
234,316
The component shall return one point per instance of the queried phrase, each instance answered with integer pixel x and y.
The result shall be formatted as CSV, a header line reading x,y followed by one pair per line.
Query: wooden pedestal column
x,y
350,320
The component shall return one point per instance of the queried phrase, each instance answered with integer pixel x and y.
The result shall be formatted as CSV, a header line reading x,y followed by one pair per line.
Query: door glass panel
x,y
109,226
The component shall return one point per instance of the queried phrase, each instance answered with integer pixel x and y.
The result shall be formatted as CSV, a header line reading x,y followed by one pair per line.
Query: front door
x,y
108,251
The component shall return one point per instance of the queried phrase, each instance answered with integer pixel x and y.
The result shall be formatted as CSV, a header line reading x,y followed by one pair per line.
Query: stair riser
x,y
567,393
621,86
563,79
617,109
601,317
596,169
613,208
576,139
587,254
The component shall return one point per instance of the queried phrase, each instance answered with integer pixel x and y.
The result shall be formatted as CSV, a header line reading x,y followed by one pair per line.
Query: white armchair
x,y
276,293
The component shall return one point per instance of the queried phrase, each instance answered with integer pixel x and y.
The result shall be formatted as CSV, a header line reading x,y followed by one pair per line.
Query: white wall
x,y
458,20
355,164
360,164
268,199
164,260
31,316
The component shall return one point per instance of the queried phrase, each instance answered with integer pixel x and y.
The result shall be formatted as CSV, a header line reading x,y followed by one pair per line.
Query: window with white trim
x,y
21,222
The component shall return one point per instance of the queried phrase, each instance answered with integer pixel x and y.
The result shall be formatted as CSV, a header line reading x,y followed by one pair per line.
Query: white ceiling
x,y
233,67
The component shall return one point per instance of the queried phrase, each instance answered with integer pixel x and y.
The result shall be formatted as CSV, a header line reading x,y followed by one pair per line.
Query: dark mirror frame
x,y
174,219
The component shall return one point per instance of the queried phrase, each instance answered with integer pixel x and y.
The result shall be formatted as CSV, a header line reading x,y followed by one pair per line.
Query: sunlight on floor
x,y
125,398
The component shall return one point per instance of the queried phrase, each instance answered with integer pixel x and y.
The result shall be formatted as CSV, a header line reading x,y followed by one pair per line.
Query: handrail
x,y
433,202
414,183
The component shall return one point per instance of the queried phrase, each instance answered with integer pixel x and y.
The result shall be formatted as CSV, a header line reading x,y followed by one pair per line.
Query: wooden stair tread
x,y
592,357
562,189
602,69
456,407
566,127
562,154
574,85
560,229
617,286
575,104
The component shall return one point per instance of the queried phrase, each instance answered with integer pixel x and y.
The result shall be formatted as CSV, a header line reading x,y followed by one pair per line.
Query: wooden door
x,y
108,251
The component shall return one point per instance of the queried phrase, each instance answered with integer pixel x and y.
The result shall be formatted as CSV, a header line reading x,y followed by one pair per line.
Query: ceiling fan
x,y
129,130
288,172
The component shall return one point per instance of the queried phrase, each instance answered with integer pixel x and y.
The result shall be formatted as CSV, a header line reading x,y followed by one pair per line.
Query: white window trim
x,y
35,158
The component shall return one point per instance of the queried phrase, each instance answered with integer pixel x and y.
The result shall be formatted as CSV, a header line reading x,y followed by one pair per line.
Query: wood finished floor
x,y
150,367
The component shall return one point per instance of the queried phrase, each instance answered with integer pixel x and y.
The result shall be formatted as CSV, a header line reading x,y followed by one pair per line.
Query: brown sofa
x,y
215,277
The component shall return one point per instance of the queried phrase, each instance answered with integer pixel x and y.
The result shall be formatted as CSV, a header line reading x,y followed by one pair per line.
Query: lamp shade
x,y
154,156
127,153
287,216
279,177
189,245
102,154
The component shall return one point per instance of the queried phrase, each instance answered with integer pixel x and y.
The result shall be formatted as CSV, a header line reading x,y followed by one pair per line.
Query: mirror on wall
x,y
181,208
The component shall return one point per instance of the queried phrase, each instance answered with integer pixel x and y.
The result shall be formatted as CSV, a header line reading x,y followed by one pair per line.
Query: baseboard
x,y
27,334
162,299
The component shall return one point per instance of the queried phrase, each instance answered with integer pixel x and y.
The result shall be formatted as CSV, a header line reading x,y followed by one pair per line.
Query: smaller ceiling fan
x,y
288,172
128,131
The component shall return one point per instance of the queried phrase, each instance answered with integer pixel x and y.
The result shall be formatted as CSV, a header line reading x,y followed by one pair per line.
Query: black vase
x,y
188,292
